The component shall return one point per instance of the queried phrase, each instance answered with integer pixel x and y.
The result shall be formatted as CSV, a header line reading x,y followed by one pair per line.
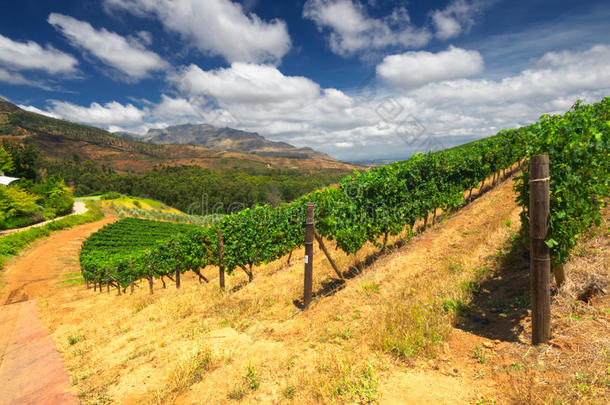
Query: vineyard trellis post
x,y
107,282
309,236
540,258
221,270
177,270
118,285
150,279
130,277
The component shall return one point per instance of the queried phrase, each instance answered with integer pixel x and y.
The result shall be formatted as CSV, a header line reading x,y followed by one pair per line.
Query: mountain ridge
x,y
226,138
60,140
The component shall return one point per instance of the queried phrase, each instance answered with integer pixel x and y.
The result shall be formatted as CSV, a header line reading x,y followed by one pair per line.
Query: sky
x,y
358,79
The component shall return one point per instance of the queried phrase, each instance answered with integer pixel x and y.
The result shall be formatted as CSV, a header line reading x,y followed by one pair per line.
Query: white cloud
x,y
414,69
244,83
217,27
112,113
127,55
352,30
13,77
18,56
457,17
554,75
346,125
33,109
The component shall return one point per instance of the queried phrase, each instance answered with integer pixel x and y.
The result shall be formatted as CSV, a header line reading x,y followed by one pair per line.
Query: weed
x,y
457,306
575,317
251,378
470,287
453,266
289,391
522,301
508,223
74,339
479,354
370,288
358,384
517,367
237,393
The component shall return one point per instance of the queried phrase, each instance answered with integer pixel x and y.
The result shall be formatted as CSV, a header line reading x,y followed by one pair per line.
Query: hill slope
x,y
228,139
58,139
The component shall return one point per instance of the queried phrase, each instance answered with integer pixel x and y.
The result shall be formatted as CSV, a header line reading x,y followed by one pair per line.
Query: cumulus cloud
x,y
390,123
554,75
217,27
245,83
352,30
127,55
414,69
112,113
457,17
18,56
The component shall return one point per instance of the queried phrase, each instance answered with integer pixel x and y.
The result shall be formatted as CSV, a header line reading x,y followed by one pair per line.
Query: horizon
x,y
358,80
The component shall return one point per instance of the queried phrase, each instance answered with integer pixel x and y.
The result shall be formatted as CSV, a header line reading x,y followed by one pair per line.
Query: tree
x,y
6,161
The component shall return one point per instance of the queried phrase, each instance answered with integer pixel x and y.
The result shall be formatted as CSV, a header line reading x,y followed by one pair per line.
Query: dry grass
x,y
575,368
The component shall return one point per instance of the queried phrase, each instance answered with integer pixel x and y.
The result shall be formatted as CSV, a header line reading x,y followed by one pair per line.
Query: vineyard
x,y
367,207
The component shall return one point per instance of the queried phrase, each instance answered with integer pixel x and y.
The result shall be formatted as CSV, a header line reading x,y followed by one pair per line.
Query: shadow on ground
x,y
501,304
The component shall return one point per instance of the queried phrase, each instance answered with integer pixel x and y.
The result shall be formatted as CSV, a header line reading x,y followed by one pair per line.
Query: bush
x,y
56,197
18,207
111,195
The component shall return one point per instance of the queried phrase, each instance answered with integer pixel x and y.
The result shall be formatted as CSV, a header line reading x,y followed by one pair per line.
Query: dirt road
x,y
31,369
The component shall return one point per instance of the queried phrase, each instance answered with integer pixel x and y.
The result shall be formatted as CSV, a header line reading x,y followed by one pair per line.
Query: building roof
x,y
5,180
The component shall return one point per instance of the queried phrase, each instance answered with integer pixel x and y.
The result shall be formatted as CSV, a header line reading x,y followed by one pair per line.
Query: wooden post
x,y
118,285
221,270
150,279
107,282
95,280
130,277
540,258
330,259
309,235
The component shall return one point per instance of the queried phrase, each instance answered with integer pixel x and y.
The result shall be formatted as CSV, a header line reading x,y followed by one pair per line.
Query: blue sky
x,y
357,79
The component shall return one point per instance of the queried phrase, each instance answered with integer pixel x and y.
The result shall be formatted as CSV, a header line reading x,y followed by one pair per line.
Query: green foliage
x,y
56,197
140,245
6,161
577,144
25,158
12,244
111,195
195,190
384,200
17,207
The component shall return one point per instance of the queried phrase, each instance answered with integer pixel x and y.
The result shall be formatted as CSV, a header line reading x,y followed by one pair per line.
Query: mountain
x,y
229,139
58,139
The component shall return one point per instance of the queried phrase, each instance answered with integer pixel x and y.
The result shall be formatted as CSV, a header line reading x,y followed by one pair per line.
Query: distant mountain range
x,y
59,139
229,139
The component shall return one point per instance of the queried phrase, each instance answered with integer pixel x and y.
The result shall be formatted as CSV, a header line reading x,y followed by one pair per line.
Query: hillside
x,y
198,345
228,139
58,139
